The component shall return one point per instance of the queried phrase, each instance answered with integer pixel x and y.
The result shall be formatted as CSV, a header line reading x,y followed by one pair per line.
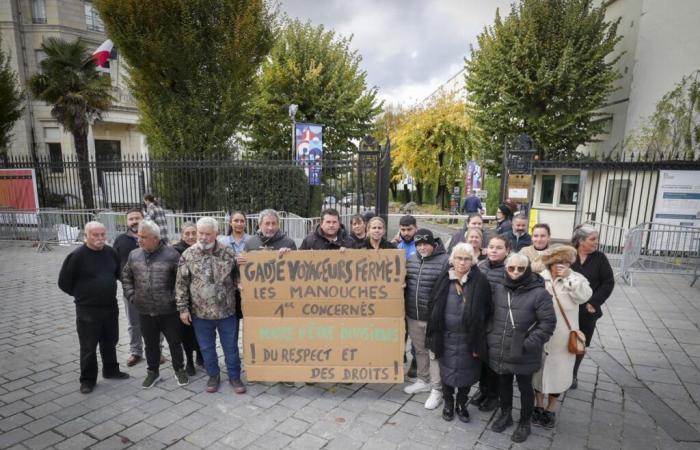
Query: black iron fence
x,y
203,185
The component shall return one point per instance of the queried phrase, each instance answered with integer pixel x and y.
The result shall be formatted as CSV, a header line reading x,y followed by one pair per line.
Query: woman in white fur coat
x,y
556,373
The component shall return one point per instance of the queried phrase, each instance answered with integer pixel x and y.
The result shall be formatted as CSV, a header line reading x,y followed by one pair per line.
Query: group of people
x,y
487,308
500,306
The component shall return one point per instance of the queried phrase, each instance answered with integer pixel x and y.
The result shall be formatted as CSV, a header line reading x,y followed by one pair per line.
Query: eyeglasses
x,y
519,269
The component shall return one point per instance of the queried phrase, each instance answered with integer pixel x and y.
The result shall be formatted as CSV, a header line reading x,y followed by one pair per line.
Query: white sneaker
x,y
417,387
434,400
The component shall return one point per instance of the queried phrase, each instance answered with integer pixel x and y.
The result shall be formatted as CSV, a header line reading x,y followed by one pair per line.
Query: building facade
x,y
24,25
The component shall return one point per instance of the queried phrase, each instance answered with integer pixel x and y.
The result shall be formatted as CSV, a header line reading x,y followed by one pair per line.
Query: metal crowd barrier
x,y
44,226
660,248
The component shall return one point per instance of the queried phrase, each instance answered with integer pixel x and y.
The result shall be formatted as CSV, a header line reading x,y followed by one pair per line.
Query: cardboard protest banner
x,y
324,316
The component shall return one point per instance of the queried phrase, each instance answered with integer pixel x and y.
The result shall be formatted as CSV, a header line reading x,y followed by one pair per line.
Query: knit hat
x,y
424,235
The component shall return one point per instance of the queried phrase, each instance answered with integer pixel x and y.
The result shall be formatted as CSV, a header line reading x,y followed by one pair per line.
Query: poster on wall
x,y
324,316
308,145
678,198
18,192
18,189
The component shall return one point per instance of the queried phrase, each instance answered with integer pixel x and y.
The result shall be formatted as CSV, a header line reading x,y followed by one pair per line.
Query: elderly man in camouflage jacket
x,y
148,279
205,291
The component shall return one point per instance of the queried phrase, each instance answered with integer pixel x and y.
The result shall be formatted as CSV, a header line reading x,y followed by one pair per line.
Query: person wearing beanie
x,y
503,216
423,269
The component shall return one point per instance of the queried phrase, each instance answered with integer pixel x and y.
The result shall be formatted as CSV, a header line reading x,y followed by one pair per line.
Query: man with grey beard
x,y
205,292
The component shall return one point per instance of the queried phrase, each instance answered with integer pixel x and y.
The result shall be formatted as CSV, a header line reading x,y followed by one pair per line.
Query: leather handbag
x,y
577,340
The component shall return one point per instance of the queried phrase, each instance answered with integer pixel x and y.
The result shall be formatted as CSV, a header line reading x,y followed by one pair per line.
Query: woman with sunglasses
x,y
493,267
523,321
456,329
541,235
569,290
375,234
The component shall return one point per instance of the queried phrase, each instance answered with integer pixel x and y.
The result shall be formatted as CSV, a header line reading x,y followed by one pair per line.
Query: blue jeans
x,y
205,330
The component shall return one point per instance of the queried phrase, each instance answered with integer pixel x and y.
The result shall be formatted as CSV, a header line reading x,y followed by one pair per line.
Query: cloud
x,y
409,48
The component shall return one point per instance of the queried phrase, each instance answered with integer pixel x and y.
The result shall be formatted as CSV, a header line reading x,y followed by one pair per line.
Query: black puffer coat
x,y
383,244
181,246
519,351
276,242
477,294
317,241
495,272
421,275
148,280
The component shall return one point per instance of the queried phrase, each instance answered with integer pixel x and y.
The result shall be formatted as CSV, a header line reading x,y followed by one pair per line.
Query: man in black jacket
x,y
89,274
329,234
518,235
148,279
124,244
422,271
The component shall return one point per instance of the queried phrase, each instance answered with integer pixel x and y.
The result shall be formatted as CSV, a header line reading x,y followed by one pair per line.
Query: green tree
x,y
191,66
315,69
11,100
433,145
77,94
673,130
544,70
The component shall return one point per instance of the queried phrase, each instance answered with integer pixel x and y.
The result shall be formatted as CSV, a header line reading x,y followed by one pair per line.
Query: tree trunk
x,y
80,139
441,197
419,193
394,191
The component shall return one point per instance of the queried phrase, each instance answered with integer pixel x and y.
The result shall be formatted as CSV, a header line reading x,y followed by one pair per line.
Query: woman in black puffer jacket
x,y
523,321
459,305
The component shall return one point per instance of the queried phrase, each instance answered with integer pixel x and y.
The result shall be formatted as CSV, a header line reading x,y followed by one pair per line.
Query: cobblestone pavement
x,y
651,329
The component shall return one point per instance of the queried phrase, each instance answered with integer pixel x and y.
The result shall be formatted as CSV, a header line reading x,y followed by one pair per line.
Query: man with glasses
x,y
422,271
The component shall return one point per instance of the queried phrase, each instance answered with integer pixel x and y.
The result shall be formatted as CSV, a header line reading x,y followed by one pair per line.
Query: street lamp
x,y
293,108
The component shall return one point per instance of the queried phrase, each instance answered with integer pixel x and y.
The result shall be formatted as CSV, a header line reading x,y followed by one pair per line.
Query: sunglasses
x,y
421,238
513,269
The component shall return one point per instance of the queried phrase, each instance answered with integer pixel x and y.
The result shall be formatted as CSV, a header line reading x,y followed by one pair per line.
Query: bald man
x,y
89,274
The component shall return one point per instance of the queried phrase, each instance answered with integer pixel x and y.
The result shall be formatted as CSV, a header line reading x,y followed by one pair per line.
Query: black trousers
x,y
488,381
97,326
527,394
448,394
189,342
170,326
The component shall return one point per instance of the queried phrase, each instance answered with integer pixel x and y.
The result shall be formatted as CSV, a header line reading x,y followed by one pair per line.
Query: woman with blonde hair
x,y
569,290
375,234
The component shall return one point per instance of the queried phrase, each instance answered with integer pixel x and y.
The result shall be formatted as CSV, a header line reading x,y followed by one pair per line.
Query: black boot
x,y
504,420
448,410
490,404
538,416
479,398
462,412
522,432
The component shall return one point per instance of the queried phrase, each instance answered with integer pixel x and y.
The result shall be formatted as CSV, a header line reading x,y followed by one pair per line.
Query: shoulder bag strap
x,y
556,297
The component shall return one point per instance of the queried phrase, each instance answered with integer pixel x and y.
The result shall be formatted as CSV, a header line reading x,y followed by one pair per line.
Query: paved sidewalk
x,y
650,328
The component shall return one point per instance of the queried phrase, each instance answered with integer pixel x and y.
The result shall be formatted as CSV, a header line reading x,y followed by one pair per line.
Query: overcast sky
x,y
408,47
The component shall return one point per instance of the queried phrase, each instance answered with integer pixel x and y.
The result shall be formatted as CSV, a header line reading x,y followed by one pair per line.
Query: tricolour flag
x,y
104,53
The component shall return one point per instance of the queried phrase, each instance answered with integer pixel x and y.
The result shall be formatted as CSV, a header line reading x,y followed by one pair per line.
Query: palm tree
x,y
69,82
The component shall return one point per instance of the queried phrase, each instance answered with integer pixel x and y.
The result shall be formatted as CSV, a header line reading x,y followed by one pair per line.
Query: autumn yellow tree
x,y
432,143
